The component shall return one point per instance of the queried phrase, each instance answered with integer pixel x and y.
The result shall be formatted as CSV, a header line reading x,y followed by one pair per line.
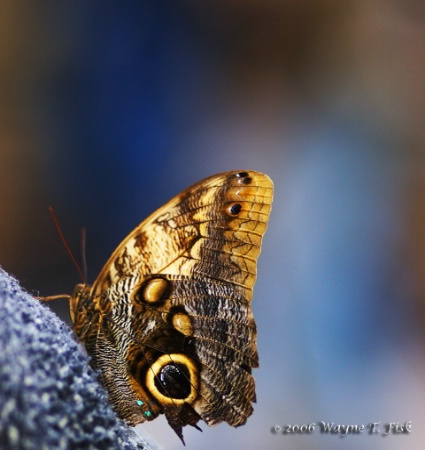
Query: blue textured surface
x,y
49,396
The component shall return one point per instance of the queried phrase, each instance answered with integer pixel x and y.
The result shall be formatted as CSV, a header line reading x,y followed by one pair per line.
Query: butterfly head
x,y
81,292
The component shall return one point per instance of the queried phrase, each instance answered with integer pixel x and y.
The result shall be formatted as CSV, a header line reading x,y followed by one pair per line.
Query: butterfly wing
x,y
168,322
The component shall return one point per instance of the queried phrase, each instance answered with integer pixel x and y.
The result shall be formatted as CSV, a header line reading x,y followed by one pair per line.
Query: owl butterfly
x,y
168,321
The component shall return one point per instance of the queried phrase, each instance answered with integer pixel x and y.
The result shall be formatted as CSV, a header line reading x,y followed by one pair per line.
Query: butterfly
x,y
168,322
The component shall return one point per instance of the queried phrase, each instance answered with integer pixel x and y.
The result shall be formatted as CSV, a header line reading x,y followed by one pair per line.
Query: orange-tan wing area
x,y
174,303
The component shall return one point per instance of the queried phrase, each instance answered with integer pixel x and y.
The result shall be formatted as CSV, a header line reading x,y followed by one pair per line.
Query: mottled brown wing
x,y
168,322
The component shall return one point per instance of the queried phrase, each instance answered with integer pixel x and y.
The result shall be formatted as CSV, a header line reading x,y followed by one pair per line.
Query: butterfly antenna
x,y
58,228
83,252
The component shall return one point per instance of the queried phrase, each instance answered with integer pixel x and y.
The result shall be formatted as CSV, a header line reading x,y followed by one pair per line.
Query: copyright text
x,y
342,430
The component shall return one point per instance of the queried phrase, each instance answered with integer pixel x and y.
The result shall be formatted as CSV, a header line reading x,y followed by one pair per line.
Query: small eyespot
x,y
234,209
243,178
182,323
154,290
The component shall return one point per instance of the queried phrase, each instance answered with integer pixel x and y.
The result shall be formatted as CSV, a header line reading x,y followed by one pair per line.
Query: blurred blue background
x,y
108,109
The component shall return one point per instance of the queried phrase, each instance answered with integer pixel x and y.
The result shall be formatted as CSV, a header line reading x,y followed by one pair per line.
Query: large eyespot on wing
x,y
217,319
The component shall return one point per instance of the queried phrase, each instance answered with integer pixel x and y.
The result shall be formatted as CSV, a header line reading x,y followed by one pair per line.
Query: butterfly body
x,y
168,322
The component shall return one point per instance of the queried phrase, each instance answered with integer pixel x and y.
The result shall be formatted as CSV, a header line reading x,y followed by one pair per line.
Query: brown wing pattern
x,y
168,321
